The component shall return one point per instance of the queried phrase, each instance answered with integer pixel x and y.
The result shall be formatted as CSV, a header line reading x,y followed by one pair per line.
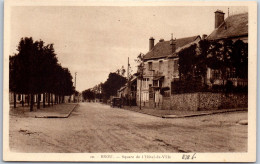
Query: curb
x,y
143,113
59,116
191,115
204,114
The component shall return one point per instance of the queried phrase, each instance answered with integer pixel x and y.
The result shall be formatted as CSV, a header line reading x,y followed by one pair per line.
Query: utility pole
x,y
75,87
75,79
128,69
128,84
141,69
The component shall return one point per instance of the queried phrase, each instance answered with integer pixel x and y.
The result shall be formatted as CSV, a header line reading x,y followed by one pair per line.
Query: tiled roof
x,y
233,26
164,49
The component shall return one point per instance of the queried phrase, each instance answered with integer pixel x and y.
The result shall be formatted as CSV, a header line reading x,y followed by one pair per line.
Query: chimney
x,y
173,44
161,40
219,18
204,36
151,43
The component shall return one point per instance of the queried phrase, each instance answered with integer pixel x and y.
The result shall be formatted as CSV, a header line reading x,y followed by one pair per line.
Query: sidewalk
x,y
179,113
55,111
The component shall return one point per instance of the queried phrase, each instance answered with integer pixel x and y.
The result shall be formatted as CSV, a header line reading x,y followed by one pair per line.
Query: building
x,y
234,27
160,70
128,92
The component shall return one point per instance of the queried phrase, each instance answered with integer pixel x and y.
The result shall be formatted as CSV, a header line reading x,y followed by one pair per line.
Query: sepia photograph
x,y
130,81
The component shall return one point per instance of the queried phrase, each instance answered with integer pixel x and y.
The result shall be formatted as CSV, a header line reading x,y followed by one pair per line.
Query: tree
x,y
112,84
223,55
187,62
35,70
220,57
202,59
121,71
88,94
239,58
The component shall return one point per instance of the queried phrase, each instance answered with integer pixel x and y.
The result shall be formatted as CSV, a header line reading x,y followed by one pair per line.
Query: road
x,y
94,127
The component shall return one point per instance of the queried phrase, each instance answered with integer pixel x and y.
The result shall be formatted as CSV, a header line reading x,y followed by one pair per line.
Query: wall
x,y
188,101
204,101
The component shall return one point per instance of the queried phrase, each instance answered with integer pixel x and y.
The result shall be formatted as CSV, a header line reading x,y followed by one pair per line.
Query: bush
x,y
190,86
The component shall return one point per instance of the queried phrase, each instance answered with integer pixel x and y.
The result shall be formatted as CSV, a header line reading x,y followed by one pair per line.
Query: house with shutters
x,y
234,27
160,70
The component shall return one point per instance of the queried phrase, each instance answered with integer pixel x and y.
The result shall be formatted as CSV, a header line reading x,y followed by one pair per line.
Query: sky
x,y
94,41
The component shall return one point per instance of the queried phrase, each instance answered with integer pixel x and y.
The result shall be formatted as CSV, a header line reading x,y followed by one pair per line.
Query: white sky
x,y
94,41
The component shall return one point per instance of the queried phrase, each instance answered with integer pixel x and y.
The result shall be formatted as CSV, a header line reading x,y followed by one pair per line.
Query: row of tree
x,y
35,70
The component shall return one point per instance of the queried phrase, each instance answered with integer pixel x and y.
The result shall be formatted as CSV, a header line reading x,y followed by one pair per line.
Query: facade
x,y
234,27
160,70
128,92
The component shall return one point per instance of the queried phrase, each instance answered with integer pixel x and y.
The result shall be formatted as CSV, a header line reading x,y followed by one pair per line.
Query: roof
x,y
233,26
122,88
164,49
158,77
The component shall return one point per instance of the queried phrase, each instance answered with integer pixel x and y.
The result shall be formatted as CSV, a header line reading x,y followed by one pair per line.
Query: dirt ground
x,y
94,127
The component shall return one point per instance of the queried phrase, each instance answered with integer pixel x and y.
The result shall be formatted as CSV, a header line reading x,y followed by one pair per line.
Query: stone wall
x,y
204,101
209,101
238,101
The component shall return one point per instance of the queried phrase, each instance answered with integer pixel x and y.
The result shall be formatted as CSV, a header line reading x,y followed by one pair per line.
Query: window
x,y
145,83
160,66
232,73
215,74
145,96
155,83
166,94
150,65
175,66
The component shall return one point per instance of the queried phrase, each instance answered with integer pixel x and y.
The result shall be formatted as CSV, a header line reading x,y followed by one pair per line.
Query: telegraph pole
x,y
75,87
129,96
141,69
75,79
128,69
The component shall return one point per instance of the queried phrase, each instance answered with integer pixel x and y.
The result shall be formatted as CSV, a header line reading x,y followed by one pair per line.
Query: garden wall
x,y
204,101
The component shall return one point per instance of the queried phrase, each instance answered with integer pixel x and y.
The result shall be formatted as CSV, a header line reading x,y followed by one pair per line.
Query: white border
x,y
250,156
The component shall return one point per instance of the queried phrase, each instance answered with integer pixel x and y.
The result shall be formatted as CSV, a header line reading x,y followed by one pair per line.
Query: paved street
x,y
94,127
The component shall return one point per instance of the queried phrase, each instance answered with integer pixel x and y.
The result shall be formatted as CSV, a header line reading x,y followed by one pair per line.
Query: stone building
x,y
160,70
234,27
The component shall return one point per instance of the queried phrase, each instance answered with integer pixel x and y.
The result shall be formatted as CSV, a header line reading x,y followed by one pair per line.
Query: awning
x,y
158,78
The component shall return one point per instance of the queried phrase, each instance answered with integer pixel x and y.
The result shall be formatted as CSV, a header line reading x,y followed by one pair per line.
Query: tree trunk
x,y
55,99
38,101
22,100
14,100
43,100
49,99
28,99
63,98
32,102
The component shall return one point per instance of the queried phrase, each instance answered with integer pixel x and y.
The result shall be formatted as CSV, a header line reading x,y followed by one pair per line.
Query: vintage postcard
x,y
129,81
